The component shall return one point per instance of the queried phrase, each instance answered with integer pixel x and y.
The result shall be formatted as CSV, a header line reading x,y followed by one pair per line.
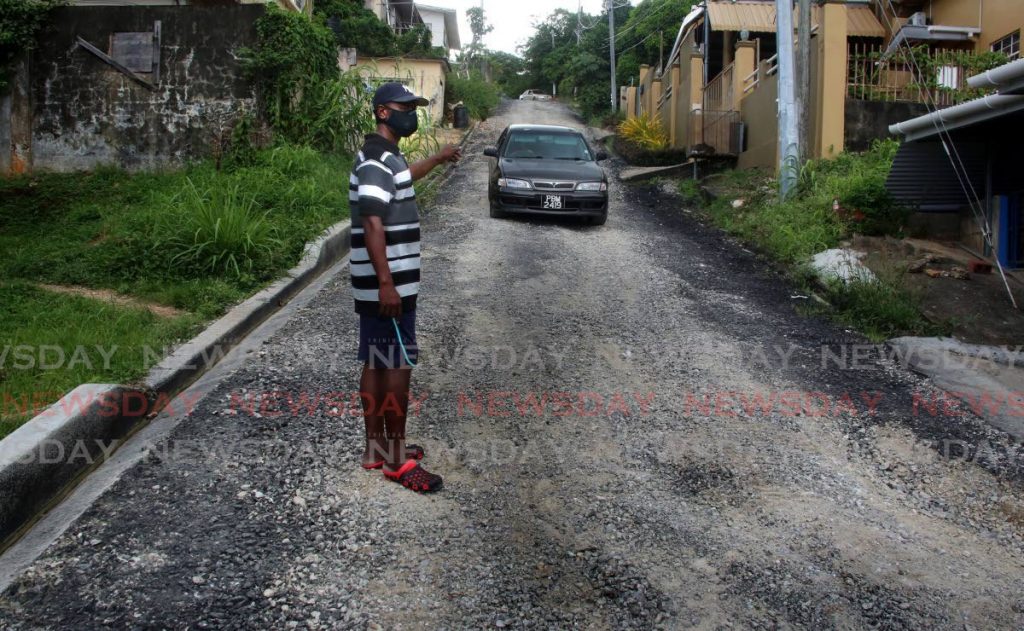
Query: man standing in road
x,y
385,266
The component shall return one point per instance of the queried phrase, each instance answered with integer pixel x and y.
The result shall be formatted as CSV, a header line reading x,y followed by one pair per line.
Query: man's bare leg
x,y
371,394
395,412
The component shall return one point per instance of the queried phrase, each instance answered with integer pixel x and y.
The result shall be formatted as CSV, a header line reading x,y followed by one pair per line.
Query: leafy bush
x,y
479,96
355,26
291,53
644,131
591,98
857,182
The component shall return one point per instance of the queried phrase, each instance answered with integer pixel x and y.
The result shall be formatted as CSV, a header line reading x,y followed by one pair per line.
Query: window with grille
x,y
1009,45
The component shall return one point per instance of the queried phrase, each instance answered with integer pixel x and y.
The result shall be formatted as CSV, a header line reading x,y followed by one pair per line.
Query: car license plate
x,y
553,202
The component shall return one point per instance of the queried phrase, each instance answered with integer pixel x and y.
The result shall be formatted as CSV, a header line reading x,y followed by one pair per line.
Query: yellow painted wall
x,y
425,77
759,112
997,18
831,82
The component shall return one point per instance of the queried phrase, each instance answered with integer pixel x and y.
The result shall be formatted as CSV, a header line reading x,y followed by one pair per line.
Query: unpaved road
x,y
638,494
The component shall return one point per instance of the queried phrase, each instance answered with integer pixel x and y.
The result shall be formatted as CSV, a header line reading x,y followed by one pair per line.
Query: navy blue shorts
x,y
378,345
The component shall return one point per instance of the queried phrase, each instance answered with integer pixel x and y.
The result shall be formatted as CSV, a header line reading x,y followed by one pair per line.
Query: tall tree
x,y
479,27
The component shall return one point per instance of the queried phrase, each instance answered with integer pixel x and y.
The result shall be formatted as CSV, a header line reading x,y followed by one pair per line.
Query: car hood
x,y
530,169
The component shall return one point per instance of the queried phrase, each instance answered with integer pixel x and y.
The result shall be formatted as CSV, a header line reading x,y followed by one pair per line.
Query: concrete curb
x,y
45,458
196,356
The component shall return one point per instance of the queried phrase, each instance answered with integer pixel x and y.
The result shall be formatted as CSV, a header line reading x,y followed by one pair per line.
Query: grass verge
x,y
791,232
199,240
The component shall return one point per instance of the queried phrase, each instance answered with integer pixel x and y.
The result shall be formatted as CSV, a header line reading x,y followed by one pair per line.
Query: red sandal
x,y
414,452
412,476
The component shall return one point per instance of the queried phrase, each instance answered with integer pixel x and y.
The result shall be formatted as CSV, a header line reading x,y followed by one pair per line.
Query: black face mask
x,y
403,123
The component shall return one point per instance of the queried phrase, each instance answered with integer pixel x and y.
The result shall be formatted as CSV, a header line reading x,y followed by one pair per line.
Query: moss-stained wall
x,y
87,113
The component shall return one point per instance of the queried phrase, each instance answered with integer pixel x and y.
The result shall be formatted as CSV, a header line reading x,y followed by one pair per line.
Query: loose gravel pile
x,y
589,394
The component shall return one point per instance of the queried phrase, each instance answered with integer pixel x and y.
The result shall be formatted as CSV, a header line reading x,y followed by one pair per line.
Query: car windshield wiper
x,y
568,158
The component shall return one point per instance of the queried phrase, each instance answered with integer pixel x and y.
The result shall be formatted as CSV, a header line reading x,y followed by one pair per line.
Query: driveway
x,y
637,428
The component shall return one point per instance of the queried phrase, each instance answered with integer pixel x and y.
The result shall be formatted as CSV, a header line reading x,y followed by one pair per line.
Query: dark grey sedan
x,y
548,171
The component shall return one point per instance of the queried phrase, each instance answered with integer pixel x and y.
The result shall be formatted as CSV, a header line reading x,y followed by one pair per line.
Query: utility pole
x,y
804,77
661,50
553,50
611,51
789,124
579,22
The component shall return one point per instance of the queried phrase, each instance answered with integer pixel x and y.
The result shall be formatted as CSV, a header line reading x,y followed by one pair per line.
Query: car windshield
x,y
547,145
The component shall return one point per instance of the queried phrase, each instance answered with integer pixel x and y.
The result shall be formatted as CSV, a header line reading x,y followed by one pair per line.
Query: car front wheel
x,y
495,213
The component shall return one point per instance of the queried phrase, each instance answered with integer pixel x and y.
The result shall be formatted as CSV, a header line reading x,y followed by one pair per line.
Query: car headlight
x,y
510,182
591,186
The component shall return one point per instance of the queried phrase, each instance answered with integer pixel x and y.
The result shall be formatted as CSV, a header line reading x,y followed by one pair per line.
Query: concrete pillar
x,y
696,81
672,106
655,96
745,65
645,90
831,114
631,102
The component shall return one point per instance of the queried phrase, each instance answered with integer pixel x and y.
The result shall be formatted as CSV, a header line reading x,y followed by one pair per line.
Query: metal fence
x,y
718,94
937,77
716,132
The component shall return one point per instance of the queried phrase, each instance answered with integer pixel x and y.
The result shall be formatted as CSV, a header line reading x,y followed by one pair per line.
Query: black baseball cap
x,y
394,92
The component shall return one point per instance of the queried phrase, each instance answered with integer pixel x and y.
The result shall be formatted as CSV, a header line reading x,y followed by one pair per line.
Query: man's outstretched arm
x,y
450,153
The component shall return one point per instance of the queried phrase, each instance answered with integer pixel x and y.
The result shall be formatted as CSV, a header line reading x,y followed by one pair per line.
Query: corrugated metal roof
x,y
756,17
759,17
861,22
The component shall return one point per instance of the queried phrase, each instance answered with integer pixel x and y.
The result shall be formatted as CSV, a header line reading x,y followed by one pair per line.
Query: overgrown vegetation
x,y
795,229
302,95
927,68
580,66
198,240
644,131
792,231
642,141
355,26
20,22
480,97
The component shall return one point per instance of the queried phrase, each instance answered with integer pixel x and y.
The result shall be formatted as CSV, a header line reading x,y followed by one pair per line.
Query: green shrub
x,y
480,97
592,99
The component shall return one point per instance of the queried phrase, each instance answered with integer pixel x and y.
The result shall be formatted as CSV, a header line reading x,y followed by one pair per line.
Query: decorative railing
x,y
918,75
715,132
718,93
752,80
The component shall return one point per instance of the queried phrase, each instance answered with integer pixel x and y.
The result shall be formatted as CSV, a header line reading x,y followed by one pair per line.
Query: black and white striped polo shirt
x,y
381,184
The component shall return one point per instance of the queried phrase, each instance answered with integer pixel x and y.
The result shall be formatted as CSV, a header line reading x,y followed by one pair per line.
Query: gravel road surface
x,y
637,428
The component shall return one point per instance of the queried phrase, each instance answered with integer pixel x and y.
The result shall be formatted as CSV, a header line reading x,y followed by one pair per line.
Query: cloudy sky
x,y
512,21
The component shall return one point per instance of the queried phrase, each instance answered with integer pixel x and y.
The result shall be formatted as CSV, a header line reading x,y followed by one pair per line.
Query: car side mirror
x,y
491,152
602,155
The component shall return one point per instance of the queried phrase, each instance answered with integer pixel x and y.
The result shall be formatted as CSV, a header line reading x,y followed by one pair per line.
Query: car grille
x,y
549,185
